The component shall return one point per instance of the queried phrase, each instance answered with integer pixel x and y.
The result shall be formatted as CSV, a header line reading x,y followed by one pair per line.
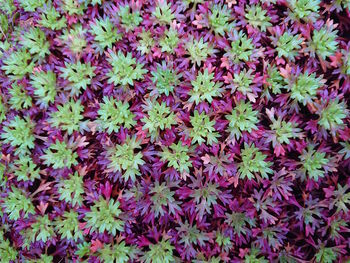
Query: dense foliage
x,y
163,131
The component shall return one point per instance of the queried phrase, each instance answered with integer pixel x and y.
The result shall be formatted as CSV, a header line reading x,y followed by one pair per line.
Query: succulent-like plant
x,y
125,69
288,45
106,34
159,117
199,50
34,40
242,119
220,19
241,48
240,222
129,18
282,131
31,5
74,39
71,190
304,10
120,253
202,129
52,19
104,216
253,163
19,97
146,42
177,156
169,41
332,115
59,155
25,169
257,17
323,42
68,226
191,236
163,13
79,76
17,205
122,158
242,82
304,87
19,133
312,163
7,252
161,252
68,117
326,254
204,88
18,64
165,79
162,199
113,114
73,7
45,89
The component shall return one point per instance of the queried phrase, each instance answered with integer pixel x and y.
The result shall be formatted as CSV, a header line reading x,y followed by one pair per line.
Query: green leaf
x,y
68,226
73,7
165,79
163,13
25,169
204,88
17,203
52,19
326,255
125,69
160,117
146,42
162,197
257,17
177,156
118,253
253,162
113,114
44,84
19,133
68,117
79,75
220,19
241,48
199,50
42,229
106,34
104,217
123,158
129,18
74,38
242,118
288,45
313,163
18,64
169,40
34,40
203,129
162,252
332,116
304,87
31,5
7,252
306,10
59,155
19,98
323,42
71,190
